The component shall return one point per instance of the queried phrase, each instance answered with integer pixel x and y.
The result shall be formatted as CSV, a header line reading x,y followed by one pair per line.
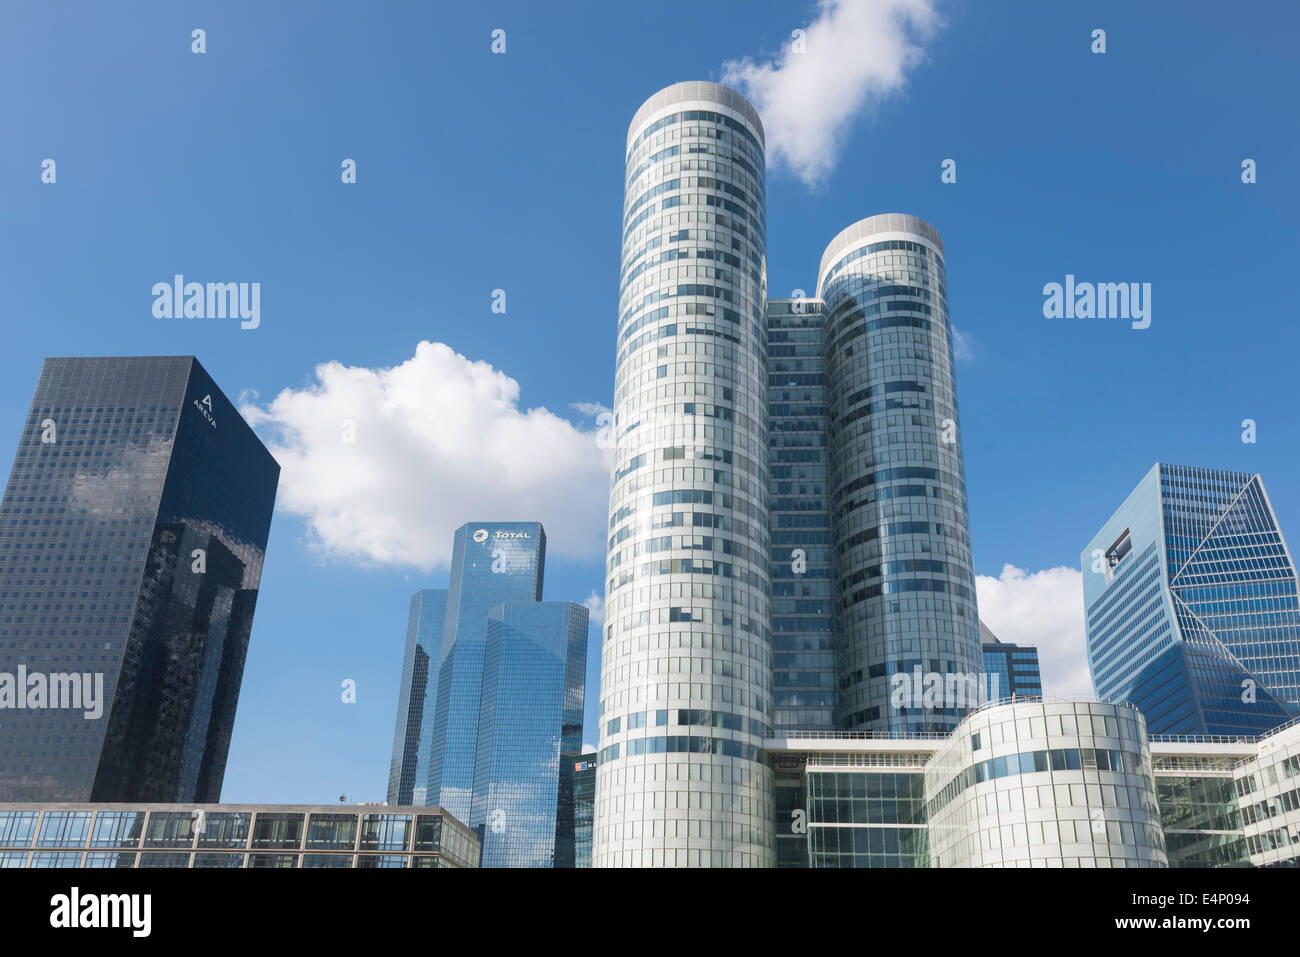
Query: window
x,y
428,832
274,831
117,829
169,829
17,828
64,829
385,832
336,832
225,829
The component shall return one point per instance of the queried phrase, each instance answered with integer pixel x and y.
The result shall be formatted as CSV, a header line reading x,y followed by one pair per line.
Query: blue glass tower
x,y
406,784
530,733
132,535
1016,668
491,562
1191,605
803,616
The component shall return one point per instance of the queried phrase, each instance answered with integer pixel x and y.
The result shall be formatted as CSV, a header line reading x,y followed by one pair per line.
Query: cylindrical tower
x,y
904,579
1045,784
686,661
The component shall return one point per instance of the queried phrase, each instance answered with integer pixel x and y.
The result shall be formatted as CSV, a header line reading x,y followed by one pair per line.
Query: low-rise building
x,y
232,835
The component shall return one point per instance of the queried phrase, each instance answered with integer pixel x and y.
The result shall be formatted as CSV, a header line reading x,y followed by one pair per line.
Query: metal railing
x,y
1223,738
864,735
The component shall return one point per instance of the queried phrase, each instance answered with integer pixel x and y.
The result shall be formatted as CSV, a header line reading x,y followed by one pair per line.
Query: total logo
x,y
481,535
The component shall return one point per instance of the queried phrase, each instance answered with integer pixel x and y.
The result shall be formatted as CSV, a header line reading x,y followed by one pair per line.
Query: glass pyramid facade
x,y
1191,605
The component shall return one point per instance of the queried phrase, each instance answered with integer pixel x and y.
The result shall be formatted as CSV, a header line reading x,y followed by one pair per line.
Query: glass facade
x,y
1015,667
1191,604
406,783
803,634
867,817
1201,820
530,733
584,808
491,562
688,589
1044,784
904,577
132,534
1268,792
233,836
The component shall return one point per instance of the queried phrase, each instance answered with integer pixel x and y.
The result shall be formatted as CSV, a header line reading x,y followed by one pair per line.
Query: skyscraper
x,y
859,528
584,808
1191,605
406,784
904,576
803,609
491,562
1016,668
530,733
686,663
132,534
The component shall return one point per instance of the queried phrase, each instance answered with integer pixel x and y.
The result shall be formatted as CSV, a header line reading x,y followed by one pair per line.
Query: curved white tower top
x,y
904,580
686,660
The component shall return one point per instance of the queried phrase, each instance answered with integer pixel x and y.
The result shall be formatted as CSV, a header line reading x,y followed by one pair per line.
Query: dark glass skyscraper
x,y
132,534
1016,668
406,784
803,610
491,562
1191,605
530,733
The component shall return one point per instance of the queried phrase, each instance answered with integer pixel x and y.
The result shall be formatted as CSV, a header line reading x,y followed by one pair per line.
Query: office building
x,y
1013,667
406,778
688,633
1267,785
803,609
530,733
132,535
584,808
490,703
1191,605
491,562
232,835
904,577
1043,783
831,420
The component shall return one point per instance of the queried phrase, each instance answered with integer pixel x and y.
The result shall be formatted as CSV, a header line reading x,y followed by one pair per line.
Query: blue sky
x,y
479,172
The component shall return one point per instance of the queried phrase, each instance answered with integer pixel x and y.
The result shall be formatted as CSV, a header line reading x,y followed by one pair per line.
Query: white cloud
x,y
963,346
440,441
596,605
1044,609
856,53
